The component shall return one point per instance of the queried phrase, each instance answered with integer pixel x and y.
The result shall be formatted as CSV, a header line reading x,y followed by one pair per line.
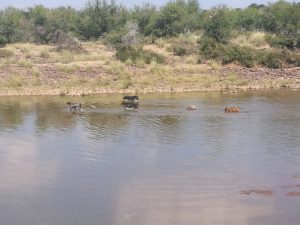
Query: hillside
x,y
29,69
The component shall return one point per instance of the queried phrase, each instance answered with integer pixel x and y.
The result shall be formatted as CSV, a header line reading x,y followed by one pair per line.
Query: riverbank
x,y
27,69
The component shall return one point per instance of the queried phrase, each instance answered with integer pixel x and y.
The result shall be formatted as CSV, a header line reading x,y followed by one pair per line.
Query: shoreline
x,y
230,79
77,93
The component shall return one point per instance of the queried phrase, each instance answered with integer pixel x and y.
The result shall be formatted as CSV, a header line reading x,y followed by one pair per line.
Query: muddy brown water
x,y
160,165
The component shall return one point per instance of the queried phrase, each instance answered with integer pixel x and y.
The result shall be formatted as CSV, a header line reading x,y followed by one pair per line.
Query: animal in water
x,y
191,107
131,98
130,102
232,109
74,107
131,106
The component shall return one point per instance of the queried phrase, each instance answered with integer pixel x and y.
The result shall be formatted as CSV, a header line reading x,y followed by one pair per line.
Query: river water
x,y
159,165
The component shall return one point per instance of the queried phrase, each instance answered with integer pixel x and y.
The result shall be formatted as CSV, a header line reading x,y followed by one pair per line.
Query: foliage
x,y
174,18
3,41
98,18
270,60
179,50
218,25
125,36
124,28
281,41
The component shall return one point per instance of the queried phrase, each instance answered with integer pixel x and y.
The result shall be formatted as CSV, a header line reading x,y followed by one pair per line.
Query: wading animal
x,y
131,106
191,107
232,109
130,102
131,98
74,107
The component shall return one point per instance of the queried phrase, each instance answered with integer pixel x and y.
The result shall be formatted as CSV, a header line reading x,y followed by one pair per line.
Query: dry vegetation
x,y
28,69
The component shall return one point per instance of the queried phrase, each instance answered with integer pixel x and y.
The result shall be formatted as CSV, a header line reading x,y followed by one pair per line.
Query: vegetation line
x,y
108,48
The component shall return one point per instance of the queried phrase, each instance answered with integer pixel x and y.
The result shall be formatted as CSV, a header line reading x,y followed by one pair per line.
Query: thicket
x,y
108,20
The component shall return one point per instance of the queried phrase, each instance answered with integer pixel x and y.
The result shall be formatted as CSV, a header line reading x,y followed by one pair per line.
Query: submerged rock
x,y
267,193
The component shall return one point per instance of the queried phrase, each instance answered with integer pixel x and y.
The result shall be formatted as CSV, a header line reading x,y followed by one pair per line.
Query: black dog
x,y
74,107
131,98
131,106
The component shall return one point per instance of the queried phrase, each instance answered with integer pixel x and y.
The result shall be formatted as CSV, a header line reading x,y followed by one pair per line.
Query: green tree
x,y
11,24
98,18
218,24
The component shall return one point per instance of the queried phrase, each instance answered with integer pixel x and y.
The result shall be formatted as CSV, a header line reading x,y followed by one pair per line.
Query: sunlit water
x,y
160,165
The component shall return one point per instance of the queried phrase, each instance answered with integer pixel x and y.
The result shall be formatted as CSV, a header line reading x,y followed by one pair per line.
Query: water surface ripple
x,y
158,165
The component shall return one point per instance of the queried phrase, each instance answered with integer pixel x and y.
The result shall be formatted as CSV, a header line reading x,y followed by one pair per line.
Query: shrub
x,y
210,49
235,53
270,60
283,41
3,41
297,60
179,51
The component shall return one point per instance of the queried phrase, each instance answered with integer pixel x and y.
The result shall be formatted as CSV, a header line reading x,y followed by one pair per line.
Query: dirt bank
x,y
40,70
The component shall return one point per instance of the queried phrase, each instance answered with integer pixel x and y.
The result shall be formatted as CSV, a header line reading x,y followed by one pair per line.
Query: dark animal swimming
x,y
74,107
131,98
131,106
130,102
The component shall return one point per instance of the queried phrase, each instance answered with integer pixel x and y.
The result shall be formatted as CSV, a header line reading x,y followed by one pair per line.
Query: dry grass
x,y
25,64
48,71
44,53
254,40
6,53
69,69
14,81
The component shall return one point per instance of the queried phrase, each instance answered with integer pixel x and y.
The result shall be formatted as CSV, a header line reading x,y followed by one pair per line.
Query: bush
x,y
270,59
210,49
179,51
283,41
183,46
296,61
241,55
3,41
135,54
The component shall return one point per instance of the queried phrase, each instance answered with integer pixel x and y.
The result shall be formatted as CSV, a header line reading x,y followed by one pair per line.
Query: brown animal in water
x,y
191,107
232,109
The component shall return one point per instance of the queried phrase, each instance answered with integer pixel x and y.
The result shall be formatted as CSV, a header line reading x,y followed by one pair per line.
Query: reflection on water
x,y
159,165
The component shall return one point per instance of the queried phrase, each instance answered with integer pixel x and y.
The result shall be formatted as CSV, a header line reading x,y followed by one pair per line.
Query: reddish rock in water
x,y
297,176
267,193
294,194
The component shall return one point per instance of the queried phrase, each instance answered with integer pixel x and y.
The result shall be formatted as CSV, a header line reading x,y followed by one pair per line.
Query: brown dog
x,y
232,109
